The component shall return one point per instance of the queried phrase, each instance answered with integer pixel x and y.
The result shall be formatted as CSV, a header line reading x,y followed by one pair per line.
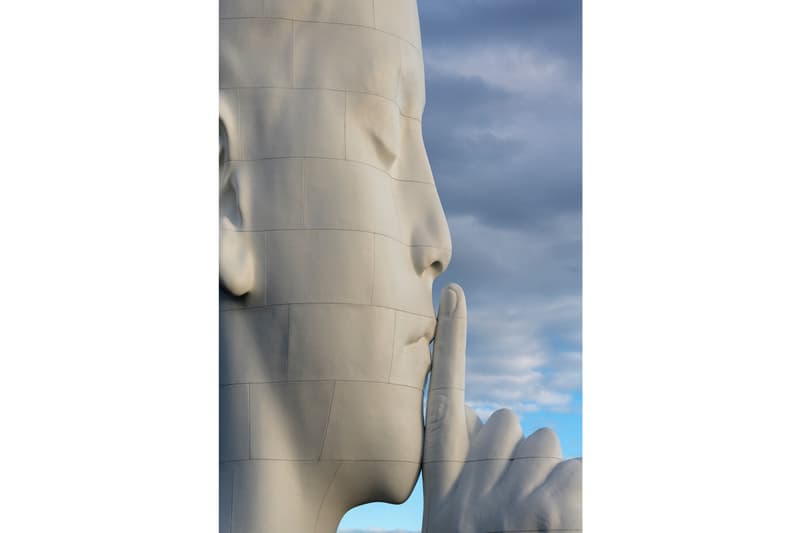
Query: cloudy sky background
x,y
503,131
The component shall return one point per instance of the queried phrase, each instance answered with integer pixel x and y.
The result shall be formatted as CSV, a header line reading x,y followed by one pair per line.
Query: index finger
x,y
450,341
445,428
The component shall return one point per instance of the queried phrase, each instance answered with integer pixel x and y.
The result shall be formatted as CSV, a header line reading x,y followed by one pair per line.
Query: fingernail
x,y
450,303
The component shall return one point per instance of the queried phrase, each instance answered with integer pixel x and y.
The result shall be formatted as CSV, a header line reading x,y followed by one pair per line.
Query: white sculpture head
x,y
331,235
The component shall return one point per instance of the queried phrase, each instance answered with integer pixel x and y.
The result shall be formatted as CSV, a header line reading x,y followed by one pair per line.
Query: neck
x,y
304,495
272,477
266,495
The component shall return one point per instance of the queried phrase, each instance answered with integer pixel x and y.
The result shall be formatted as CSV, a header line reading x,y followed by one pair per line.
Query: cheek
x,y
348,195
319,266
340,342
268,193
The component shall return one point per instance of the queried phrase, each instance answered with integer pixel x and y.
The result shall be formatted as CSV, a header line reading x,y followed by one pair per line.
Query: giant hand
x,y
481,478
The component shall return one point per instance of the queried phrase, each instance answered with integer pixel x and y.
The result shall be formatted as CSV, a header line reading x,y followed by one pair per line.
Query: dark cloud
x,y
550,25
511,158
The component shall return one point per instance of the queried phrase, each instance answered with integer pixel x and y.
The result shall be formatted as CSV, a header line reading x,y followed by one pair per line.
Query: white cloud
x,y
510,67
509,363
514,317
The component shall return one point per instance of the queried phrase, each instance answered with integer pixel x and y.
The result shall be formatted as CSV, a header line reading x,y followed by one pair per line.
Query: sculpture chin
x,y
402,486
381,437
388,482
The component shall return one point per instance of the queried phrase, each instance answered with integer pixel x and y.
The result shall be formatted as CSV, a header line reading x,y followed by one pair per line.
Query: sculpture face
x,y
332,233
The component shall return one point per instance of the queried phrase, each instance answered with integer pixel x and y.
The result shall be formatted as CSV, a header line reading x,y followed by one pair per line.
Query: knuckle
x,y
437,407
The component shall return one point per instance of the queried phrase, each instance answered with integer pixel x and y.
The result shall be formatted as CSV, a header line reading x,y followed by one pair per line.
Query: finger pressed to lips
x,y
446,433
450,341
446,437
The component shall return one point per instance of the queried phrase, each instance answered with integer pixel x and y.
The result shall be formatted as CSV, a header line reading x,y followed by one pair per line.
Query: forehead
x,y
363,46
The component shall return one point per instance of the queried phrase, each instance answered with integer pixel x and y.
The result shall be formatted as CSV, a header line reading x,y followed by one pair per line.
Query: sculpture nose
x,y
430,260
423,224
426,232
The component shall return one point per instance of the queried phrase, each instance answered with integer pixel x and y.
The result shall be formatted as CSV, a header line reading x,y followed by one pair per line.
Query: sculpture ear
x,y
236,262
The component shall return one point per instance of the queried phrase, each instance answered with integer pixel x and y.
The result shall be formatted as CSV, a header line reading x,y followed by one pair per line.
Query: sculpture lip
x,y
427,335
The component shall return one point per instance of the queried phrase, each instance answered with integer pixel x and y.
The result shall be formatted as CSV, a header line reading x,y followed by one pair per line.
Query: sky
x,y
502,127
